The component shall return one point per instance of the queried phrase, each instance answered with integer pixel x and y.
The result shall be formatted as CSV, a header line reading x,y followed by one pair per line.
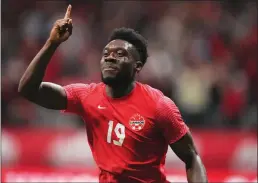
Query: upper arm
x,y
169,120
75,94
51,96
68,98
175,131
185,148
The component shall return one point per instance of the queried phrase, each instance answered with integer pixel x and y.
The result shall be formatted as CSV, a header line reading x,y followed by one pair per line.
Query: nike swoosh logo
x,y
101,107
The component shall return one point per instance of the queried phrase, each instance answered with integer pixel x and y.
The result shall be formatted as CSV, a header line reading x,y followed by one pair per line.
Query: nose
x,y
110,58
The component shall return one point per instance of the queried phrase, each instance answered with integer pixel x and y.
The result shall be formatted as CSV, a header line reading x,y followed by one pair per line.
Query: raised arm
x,y
48,95
186,151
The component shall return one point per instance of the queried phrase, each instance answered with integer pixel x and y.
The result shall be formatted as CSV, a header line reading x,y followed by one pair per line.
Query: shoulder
x,y
150,92
82,89
166,103
156,96
83,86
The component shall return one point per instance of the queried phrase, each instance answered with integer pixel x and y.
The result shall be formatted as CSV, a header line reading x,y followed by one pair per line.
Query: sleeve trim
x,y
182,133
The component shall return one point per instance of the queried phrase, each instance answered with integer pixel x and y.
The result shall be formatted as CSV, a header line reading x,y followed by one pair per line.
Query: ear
x,y
138,66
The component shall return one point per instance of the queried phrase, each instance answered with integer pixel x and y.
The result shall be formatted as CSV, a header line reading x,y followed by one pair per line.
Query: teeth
x,y
109,69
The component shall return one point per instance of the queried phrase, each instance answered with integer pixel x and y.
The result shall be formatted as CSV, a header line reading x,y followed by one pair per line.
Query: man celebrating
x,y
129,124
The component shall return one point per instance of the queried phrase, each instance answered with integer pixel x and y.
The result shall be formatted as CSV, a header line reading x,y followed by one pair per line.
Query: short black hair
x,y
133,37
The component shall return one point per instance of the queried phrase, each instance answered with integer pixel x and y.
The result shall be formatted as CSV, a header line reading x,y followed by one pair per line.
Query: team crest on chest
x,y
136,122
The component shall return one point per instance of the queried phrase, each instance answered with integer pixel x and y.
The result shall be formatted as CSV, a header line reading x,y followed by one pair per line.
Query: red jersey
x,y
128,136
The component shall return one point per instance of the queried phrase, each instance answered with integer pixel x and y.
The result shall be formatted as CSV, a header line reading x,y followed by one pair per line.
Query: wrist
x,y
50,43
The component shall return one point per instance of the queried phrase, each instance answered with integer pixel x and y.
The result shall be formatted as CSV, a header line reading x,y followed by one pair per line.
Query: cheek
x,y
128,69
126,66
102,61
123,60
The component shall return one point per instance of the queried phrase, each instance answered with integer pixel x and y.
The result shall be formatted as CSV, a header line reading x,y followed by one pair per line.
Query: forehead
x,y
117,43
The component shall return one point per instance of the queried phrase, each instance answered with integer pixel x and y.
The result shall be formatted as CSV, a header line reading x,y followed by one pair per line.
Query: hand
x,y
62,28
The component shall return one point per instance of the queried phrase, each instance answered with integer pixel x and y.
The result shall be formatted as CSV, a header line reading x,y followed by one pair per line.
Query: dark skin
x,y
120,60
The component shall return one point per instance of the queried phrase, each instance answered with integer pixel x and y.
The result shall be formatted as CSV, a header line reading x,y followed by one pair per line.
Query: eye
x,y
120,53
105,53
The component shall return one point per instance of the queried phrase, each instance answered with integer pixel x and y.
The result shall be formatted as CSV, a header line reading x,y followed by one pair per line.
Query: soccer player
x,y
129,124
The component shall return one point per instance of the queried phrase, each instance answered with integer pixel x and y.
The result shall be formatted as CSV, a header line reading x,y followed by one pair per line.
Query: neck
x,y
119,91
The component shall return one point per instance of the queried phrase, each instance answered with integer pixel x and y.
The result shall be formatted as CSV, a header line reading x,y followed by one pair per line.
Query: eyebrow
x,y
118,48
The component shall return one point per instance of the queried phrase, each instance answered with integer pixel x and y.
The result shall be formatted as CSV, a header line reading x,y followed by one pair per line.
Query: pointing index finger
x,y
68,12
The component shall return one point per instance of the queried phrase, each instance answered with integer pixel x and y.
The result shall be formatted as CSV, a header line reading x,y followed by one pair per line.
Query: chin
x,y
115,81
111,81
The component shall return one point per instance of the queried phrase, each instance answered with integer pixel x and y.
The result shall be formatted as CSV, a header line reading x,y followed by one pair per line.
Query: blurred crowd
x,y
203,55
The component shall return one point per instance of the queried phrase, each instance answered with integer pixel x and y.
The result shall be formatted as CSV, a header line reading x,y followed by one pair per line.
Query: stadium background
x,y
203,55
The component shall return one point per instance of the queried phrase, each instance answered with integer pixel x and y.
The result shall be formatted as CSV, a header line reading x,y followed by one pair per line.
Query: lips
x,y
110,68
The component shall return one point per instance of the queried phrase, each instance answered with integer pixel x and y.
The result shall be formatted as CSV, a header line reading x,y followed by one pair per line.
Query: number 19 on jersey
x,y
119,131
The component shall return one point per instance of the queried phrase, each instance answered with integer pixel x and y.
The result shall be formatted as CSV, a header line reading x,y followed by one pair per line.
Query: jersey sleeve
x,y
170,120
75,94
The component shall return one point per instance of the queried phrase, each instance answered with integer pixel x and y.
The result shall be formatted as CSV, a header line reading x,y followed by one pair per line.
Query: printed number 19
x,y
119,131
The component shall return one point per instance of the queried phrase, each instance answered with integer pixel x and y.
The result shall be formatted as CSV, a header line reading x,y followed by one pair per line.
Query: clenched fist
x,y
62,28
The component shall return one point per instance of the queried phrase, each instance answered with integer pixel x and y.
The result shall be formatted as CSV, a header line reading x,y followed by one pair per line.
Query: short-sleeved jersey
x,y
128,136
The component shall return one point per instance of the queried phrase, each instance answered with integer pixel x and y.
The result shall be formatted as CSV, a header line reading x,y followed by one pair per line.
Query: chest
x,y
131,119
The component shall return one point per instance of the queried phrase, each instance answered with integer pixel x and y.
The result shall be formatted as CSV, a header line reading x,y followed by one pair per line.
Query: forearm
x,y
35,72
196,171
